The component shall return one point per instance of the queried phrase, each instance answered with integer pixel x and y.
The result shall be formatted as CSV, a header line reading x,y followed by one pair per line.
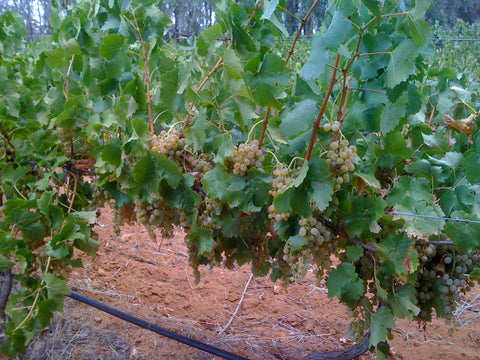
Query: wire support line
x,y
157,329
434,217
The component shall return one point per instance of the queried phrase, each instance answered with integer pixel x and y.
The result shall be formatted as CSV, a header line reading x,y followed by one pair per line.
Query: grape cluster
x,y
282,179
317,251
171,144
356,328
341,158
442,279
67,135
100,196
206,214
74,148
426,252
200,165
122,215
3,150
247,155
159,215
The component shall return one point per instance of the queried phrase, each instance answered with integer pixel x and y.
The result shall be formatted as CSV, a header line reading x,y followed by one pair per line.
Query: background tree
x,y
446,12
191,17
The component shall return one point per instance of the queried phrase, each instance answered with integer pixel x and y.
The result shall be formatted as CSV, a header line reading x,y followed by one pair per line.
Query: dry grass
x,y
71,338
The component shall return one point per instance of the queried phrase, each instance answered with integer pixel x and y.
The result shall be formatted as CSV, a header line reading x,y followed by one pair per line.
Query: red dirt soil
x,y
155,282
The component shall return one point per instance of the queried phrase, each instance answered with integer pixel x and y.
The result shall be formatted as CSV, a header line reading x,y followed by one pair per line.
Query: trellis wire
x,y
434,217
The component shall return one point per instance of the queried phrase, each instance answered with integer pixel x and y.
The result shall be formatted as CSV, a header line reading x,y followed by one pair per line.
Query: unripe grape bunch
x,y
341,159
170,143
246,156
282,179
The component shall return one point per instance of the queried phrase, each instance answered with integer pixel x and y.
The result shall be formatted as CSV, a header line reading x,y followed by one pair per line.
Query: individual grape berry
x,y
331,126
246,156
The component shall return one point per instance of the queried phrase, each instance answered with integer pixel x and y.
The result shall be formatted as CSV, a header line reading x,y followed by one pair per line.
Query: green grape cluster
x,y
122,215
171,144
159,215
317,251
99,196
426,252
3,150
364,267
67,135
357,327
442,279
207,212
248,155
82,150
282,179
200,165
341,159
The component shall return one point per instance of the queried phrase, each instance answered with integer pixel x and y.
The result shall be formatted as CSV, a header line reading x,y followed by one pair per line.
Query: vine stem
x,y
37,295
302,25
316,125
5,291
340,231
146,75
202,84
290,53
67,95
264,127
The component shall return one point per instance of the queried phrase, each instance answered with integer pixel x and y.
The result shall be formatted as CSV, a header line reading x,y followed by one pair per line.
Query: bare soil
x,y
154,282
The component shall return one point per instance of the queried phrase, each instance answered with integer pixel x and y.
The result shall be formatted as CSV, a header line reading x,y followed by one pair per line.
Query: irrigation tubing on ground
x,y
159,330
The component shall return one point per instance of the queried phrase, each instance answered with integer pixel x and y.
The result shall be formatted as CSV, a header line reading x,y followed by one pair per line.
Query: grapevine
x,y
168,138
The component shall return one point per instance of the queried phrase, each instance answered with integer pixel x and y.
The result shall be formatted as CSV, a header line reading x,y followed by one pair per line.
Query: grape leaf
x,y
55,285
299,119
232,64
269,8
450,159
354,253
363,215
203,239
403,302
396,145
396,254
344,283
417,30
373,6
338,31
471,164
382,321
216,182
391,116
5,264
111,45
402,62
464,235
297,242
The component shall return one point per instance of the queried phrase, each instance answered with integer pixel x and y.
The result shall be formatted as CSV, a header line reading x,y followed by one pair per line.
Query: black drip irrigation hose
x,y
159,330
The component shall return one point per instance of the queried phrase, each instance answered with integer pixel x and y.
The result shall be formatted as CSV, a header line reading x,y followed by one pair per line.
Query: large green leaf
x,y
402,62
382,322
344,283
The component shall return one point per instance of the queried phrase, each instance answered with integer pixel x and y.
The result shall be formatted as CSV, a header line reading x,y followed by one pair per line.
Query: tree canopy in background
x,y
190,17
